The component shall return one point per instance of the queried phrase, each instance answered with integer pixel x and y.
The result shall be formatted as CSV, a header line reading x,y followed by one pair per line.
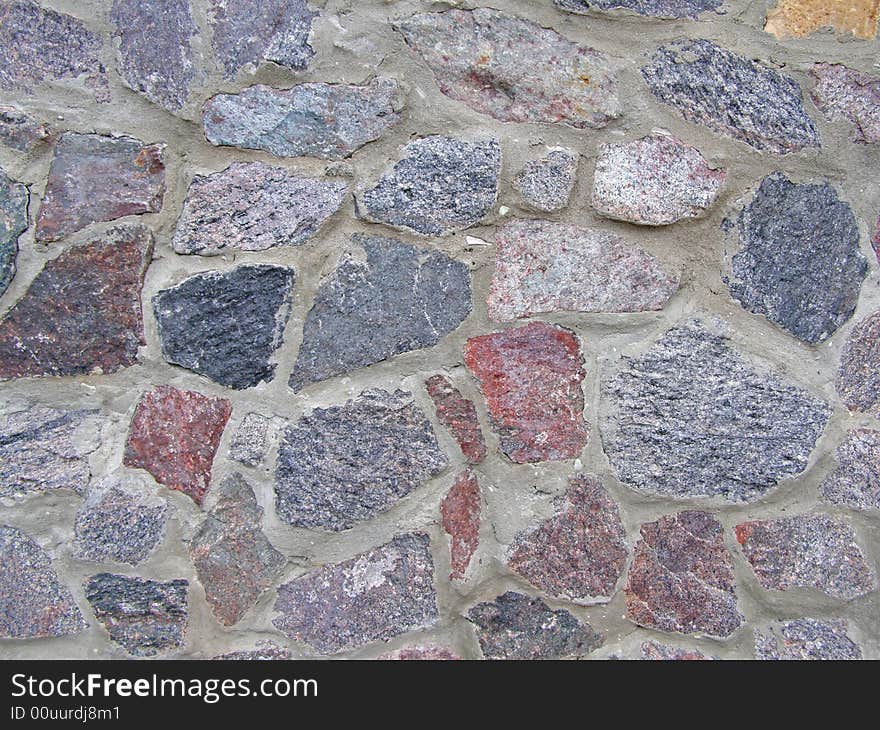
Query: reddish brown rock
x,y
653,651
459,415
461,521
174,435
843,93
421,653
531,378
858,377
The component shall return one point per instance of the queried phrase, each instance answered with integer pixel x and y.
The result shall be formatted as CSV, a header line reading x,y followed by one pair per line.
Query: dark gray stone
x,y
806,638
651,8
546,184
14,199
21,131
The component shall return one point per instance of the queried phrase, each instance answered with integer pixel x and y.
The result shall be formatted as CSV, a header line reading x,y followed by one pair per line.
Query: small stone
x,y
654,181
858,377
265,651
21,131
856,481
651,8
174,435
516,626
122,520
249,442
226,325
580,552
513,69
234,560
14,199
460,512
420,653
542,266
875,240
799,18
342,465
251,206
34,604
329,121
145,617
401,298
374,596
731,95
531,378
546,184
82,313
441,185
692,418
681,577
806,638
459,416
798,262
843,93
95,178
806,551
653,651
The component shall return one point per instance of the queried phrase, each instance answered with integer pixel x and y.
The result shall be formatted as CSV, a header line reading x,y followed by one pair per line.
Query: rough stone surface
x,y
174,435
21,131
543,266
856,480
806,551
226,325
329,121
95,178
516,626
806,638
374,596
441,185
732,95
681,577
531,378
401,298
651,8
420,653
798,262
655,180
843,93
459,416
875,240
691,418
82,313
265,651
799,18
250,440
145,617
33,602
654,651
580,552
342,465
858,377
14,199
546,184
460,513
512,69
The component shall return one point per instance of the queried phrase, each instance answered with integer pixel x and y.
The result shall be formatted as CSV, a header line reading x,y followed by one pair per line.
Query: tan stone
x,y
799,18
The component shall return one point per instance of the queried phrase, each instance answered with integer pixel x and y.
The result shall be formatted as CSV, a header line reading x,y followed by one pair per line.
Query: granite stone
x,y
460,518
21,131
650,8
459,416
844,94
858,376
804,639
249,442
14,198
856,480
546,184
799,18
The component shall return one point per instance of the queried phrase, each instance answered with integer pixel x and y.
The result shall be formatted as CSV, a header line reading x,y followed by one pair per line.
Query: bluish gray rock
x,y
14,199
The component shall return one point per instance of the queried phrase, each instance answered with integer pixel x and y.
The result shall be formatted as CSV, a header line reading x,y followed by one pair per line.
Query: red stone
x,y
461,521
459,415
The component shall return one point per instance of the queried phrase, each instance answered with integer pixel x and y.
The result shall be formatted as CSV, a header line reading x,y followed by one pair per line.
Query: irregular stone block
x,y
531,378
420,653
692,418
875,240
858,377
265,651
806,638
843,93
513,69
249,442
546,184
460,513
14,199
459,416
542,266
226,325
799,18
402,298
374,596
652,8
731,95
681,577
21,131
856,481
342,465
654,651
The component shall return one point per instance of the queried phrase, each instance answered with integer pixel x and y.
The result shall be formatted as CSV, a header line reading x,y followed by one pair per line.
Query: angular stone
x,y
250,441
531,378
806,638
858,377
806,551
844,94
374,596
82,312
513,69
460,513
580,552
122,520
651,8
246,33
692,418
516,626
681,577
342,465
402,298
420,653
543,266
234,560
226,325
441,185
799,18
546,184
21,131
798,261
95,178
155,55
145,617
654,651
459,416
654,181
174,435
856,481
34,604
329,121
14,199
251,206
265,651
731,95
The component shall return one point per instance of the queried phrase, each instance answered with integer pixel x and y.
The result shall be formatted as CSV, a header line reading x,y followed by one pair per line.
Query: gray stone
x,y
546,184
21,131
843,93
250,440
14,199
858,377
856,480
651,8
806,638
265,651
401,298
342,465
654,651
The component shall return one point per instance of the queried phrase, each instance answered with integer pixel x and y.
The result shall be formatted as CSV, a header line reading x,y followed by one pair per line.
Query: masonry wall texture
x,y
403,329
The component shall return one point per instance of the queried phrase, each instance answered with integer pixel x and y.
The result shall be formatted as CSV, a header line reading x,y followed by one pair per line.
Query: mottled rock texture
x,y
731,95
82,313
342,465
856,480
692,418
226,325
460,517
14,199
420,653
799,18
21,131
459,416
844,94
858,377
546,184
249,442
543,266
806,638
681,577
652,8
265,651
401,298
374,596
654,651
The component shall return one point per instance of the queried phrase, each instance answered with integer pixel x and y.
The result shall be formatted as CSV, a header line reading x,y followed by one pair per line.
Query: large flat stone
x,y
844,94
14,199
